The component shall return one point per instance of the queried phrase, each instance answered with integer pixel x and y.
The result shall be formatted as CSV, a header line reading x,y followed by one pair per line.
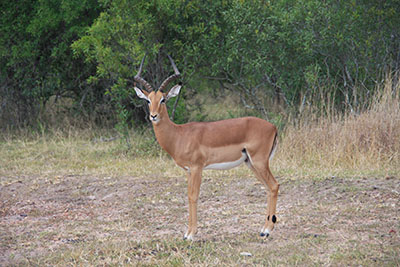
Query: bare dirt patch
x,y
333,220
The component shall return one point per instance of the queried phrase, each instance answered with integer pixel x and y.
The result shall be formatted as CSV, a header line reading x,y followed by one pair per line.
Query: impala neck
x,y
166,133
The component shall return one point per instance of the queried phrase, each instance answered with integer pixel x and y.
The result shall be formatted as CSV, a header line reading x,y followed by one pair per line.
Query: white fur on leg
x,y
264,232
188,236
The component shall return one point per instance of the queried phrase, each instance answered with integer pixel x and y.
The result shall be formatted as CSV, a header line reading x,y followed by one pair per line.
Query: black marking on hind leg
x,y
273,218
247,156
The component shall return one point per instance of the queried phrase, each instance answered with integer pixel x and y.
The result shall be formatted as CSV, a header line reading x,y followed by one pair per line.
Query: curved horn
x,y
140,80
172,77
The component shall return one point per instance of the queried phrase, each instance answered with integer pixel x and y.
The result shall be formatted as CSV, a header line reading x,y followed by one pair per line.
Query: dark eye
x,y
162,100
148,101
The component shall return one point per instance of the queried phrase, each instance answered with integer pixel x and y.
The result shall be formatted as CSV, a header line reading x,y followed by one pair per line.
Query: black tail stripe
x,y
273,145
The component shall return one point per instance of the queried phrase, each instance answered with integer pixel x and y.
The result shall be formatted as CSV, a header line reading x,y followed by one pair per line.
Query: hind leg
x,y
263,173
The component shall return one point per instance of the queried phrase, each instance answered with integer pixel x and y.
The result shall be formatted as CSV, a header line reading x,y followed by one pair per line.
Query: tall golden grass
x,y
367,142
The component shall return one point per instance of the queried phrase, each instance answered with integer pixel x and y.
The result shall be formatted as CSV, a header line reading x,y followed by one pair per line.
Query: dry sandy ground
x,y
327,220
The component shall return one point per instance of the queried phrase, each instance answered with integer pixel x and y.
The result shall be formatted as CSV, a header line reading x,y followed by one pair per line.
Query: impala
x,y
220,145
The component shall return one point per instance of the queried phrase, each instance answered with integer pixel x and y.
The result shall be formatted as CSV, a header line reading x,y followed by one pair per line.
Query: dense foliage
x,y
288,51
36,59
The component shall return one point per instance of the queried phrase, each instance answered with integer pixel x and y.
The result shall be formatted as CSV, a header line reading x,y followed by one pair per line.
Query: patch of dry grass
x,y
356,144
81,153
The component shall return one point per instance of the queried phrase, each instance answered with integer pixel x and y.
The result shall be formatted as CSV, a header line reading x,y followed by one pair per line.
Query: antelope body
x,y
198,146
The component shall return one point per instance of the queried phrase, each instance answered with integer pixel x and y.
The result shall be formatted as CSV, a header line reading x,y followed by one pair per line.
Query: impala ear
x,y
174,91
141,94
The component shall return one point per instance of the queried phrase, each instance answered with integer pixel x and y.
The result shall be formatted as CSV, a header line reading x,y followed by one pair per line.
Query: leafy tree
x,y
285,50
128,30
288,49
36,58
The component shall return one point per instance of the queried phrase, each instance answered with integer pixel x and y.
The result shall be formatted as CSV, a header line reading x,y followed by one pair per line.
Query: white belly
x,y
227,165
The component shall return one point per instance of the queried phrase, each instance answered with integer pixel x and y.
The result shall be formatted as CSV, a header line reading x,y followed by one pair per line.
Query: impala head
x,y
157,99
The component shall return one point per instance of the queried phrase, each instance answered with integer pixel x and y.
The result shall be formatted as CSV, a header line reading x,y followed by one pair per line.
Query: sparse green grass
x,y
56,155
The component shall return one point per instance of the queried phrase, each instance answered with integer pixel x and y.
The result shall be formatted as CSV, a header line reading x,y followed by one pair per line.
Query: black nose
x,y
153,116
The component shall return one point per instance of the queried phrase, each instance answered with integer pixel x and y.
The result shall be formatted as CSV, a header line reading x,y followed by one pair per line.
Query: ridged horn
x,y
170,78
140,80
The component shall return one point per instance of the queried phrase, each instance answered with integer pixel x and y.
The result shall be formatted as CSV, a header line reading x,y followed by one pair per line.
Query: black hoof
x,y
263,234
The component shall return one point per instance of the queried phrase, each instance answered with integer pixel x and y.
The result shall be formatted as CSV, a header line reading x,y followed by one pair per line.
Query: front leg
x,y
194,181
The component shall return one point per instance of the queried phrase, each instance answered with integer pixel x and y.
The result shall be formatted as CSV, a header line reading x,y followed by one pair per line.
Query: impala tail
x,y
274,147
